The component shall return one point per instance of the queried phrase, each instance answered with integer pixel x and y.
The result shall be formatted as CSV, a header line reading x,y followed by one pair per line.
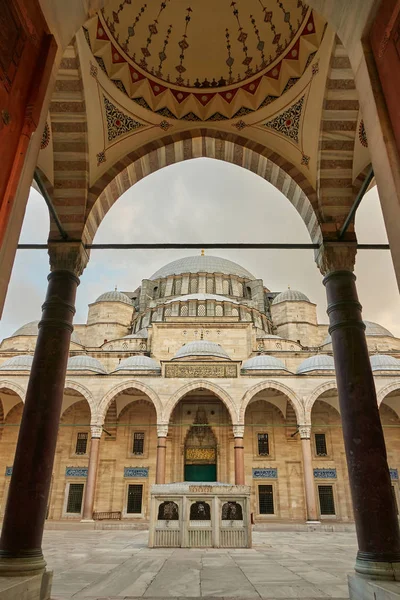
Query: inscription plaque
x,y
214,370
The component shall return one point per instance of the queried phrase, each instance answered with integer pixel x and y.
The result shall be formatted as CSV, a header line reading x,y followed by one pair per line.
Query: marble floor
x,y
104,565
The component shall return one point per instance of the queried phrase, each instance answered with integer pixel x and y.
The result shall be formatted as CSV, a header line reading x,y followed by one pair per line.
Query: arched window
x,y
235,312
219,311
167,312
226,287
201,310
210,285
240,289
155,292
178,287
194,285
184,310
248,292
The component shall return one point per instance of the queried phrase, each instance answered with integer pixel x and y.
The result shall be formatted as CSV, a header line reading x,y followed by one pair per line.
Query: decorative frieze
x,y
265,473
204,370
136,472
325,473
76,471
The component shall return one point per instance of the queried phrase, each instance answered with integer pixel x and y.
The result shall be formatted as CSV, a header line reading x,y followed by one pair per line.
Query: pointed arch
x,y
394,386
313,397
195,385
83,391
121,387
15,387
272,385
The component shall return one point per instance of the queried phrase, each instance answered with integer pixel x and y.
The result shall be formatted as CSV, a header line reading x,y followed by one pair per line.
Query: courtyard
x,y
100,565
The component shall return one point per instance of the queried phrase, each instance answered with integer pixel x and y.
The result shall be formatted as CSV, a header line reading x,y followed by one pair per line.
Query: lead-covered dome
x,y
31,328
371,329
263,362
202,264
202,348
85,363
319,362
384,362
290,296
17,363
114,296
138,363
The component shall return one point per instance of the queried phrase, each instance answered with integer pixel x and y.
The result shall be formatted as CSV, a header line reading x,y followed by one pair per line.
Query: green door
x,y
200,472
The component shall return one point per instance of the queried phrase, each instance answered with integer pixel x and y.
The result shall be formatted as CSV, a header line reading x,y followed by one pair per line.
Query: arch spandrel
x,y
84,392
272,385
105,402
205,385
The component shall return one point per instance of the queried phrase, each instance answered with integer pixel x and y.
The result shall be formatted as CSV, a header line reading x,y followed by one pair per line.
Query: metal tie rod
x,y
235,246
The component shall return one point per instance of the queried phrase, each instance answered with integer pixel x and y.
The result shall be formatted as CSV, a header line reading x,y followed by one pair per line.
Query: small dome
x,y
138,363
31,328
142,333
263,362
85,363
17,363
290,296
203,297
371,329
202,264
384,362
202,348
319,362
114,296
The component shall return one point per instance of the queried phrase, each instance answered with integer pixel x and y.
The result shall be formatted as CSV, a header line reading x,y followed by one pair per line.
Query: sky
x,y
202,200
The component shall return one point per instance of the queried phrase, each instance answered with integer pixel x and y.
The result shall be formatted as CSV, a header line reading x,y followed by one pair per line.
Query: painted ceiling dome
x,y
114,296
319,362
371,329
384,362
138,363
17,363
31,328
202,264
202,297
263,362
85,363
290,296
202,348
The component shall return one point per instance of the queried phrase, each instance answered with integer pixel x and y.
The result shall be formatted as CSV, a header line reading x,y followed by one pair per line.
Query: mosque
x,y
200,374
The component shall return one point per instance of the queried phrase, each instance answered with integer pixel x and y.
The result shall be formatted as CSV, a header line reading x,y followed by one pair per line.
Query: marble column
x,y
374,510
309,487
90,489
162,432
25,513
238,433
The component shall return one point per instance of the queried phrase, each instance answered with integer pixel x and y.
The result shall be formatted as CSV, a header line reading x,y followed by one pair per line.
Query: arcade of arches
x,y
97,94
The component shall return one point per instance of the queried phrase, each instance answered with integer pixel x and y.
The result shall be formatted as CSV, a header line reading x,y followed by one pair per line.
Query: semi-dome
x,y
202,264
202,348
202,297
17,363
384,362
31,328
138,363
290,296
263,362
319,362
85,363
114,296
142,333
371,329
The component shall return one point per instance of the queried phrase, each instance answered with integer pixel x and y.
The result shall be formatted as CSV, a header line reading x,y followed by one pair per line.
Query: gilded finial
x,y
202,252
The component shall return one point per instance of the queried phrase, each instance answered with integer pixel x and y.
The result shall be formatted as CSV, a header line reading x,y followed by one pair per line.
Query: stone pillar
x,y
21,537
309,488
162,432
238,433
90,489
374,510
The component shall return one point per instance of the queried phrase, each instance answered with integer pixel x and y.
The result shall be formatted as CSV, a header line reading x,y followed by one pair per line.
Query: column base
x,y
369,568
361,588
21,566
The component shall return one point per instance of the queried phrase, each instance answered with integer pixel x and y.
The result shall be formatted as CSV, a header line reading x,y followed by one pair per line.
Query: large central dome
x,y
202,264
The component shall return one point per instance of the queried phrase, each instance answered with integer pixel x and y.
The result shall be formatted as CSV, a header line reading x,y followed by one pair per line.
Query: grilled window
x,y
210,285
320,444
263,444
395,500
138,443
81,443
75,496
184,310
266,499
201,310
134,504
326,501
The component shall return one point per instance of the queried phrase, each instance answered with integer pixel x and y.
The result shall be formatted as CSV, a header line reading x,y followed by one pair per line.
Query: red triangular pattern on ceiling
x,y
229,95
156,87
309,26
115,55
293,54
179,95
274,72
135,75
252,86
204,99
100,33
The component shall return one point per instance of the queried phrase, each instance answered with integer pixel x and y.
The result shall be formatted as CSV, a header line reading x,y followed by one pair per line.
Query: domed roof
x,y
201,348
384,362
17,363
203,297
202,264
138,363
114,296
319,362
31,328
85,363
142,333
263,362
290,296
371,329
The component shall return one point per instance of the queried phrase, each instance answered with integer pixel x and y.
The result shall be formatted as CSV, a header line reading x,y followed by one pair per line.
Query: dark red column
x,y
21,537
374,511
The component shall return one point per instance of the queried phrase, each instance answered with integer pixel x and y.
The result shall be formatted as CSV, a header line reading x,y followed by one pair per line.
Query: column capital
x,y
96,431
305,432
336,256
68,256
162,430
238,431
